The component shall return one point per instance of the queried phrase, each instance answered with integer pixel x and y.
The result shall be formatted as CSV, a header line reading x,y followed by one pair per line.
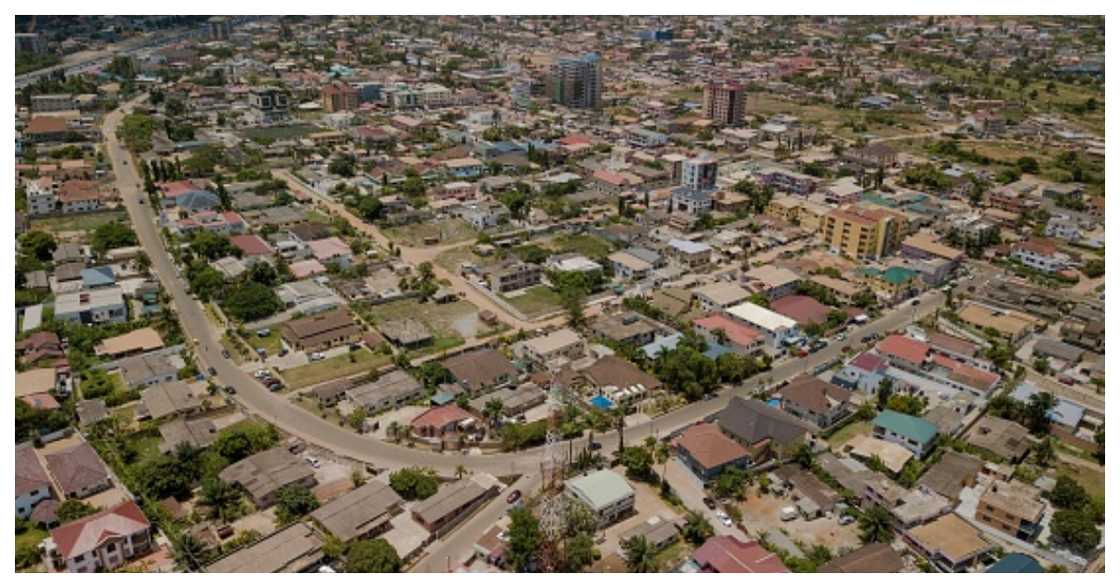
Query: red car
x,y
513,497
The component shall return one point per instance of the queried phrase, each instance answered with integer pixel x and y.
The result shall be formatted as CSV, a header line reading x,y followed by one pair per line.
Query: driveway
x,y
691,492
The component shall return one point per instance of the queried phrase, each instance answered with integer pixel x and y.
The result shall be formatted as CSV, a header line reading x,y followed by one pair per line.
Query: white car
x,y
314,461
316,356
723,518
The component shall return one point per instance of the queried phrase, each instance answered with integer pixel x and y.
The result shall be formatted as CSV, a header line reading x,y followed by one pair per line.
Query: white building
x,y
103,305
606,493
774,326
41,197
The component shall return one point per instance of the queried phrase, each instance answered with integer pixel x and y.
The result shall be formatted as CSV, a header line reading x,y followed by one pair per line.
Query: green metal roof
x,y
600,488
907,426
899,275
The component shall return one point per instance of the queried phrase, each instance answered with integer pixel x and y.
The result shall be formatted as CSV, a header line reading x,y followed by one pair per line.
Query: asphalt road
x,y
279,411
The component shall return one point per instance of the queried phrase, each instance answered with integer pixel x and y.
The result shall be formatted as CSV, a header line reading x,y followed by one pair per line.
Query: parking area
x,y
763,513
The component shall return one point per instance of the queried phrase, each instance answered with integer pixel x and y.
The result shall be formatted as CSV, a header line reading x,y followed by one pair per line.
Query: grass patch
x,y
447,231
347,364
272,343
587,245
536,300
450,323
78,222
31,538
847,433
279,133
673,556
1090,479
452,259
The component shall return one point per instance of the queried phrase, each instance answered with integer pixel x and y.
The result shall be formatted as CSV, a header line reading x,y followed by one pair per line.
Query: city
x,y
729,294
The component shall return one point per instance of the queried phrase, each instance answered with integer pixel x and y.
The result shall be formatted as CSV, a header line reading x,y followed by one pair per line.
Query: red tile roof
x,y
440,416
725,554
803,309
30,474
85,534
904,348
869,362
251,245
707,444
737,333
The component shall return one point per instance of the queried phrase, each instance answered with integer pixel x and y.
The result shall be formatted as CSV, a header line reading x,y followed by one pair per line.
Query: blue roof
x,y
1016,563
715,350
443,398
666,343
98,276
904,425
197,200
1064,412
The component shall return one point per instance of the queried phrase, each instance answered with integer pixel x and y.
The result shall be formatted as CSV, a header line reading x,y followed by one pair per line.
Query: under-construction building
x,y
577,82
725,103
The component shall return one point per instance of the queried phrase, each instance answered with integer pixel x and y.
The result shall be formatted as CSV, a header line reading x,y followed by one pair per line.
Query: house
x,y
764,430
253,248
361,513
725,554
39,345
707,451
1016,563
515,401
904,353
33,485
512,275
481,369
77,196
263,475
103,305
1041,255
951,474
176,433
321,332
1010,324
949,543
690,254
628,266
658,533
36,381
613,376
133,342
391,390
803,309
331,250
721,330
454,502
771,281
485,215
821,403
719,295
147,370
552,349
776,328
629,328
441,421
407,333
609,496
871,558
99,542
296,548
170,398
78,471
1007,439
1012,507
915,434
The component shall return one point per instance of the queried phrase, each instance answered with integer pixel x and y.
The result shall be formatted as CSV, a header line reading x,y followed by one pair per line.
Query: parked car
x,y
847,519
723,518
708,502
212,371
513,496
314,461
283,351
316,357
225,353
264,332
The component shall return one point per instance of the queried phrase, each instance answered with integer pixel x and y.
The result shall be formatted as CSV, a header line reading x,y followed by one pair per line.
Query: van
x,y
264,332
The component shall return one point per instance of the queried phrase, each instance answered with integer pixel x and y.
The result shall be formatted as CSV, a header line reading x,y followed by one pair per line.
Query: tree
x,y
640,555
638,462
211,245
244,439
1067,493
697,528
251,301
375,556
875,525
343,165
135,131
525,538
579,552
1076,529
293,501
730,483
39,244
72,510
414,483
222,497
493,409
1038,412
804,457
189,551
886,388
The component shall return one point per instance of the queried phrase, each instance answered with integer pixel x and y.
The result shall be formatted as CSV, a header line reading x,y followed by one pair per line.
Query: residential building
x,y
862,233
576,82
99,542
321,332
690,254
775,327
363,512
454,502
915,434
1041,255
553,349
481,369
725,554
78,471
42,196
871,558
147,370
103,305
609,496
719,329
707,451
512,275
718,296
296,548
949,543
270,104
33,485
339,96
1012,507
393,389
725,103
771,281
765,431
816,401
262,475
170,398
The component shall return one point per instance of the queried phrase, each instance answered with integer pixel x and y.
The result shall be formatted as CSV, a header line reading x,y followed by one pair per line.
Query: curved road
x,y
279,411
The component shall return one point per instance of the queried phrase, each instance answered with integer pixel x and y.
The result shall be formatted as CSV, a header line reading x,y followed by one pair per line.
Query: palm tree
x,y
639,555
804,456
189,552
493,409
460,471
875,525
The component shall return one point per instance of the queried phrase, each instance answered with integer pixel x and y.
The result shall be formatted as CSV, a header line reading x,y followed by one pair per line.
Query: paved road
x,y
280,411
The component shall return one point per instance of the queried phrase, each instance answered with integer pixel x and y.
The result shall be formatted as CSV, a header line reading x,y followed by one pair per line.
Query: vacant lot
x,y
451,230
536,301
451,324
452,259
78,222
847,432
347,364
763,513
270,343
587,245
